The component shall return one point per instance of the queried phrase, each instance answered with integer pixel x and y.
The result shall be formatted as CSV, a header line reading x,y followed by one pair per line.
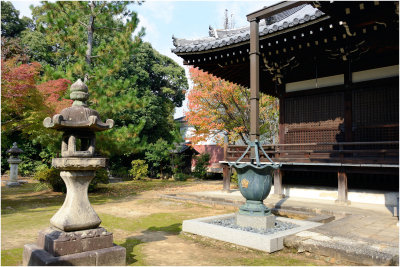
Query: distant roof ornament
x,y
174,41
212,32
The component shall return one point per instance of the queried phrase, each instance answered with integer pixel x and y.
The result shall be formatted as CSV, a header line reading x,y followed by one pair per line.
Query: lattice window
x,y
315,118
376,113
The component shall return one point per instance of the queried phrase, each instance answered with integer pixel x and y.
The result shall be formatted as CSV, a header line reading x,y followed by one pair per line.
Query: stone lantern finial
x,y
79,93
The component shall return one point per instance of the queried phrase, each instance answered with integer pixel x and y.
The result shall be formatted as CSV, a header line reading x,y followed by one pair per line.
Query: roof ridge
x,y
290,18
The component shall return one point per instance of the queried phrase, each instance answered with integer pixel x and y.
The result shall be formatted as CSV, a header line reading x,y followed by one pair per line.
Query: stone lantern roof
x,y
14,150
79,115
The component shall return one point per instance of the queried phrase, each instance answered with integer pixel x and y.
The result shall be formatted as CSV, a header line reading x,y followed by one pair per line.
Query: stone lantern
x,y
74,237
14,161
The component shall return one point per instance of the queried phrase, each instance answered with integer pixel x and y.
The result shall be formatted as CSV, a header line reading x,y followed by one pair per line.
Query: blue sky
x,y
183,19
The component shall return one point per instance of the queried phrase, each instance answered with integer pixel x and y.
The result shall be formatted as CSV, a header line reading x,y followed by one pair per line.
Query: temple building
x,y
334,65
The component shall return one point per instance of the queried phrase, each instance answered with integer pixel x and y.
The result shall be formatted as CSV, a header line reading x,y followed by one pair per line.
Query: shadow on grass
x,y
134,255
173,228
21,203
25,198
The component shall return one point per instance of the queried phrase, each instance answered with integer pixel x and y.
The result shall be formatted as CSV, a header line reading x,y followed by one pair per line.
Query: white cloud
x,y
162,10
23,7
151,29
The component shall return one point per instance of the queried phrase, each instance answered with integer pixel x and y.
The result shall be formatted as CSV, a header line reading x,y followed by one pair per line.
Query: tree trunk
x,y
90,31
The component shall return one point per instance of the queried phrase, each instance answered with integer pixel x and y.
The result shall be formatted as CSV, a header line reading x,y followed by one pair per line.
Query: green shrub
x,y
159,158
139,169
234,177
51,177
27,167
180,177
178,163
121,172
202,162
100,178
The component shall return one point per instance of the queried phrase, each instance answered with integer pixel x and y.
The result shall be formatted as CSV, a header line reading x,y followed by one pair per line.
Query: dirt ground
x,y
185,249
159,248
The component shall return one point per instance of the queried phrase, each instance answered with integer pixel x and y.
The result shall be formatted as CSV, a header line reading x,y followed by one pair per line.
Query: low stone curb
x,y
314,215
269,243
212,202
343,249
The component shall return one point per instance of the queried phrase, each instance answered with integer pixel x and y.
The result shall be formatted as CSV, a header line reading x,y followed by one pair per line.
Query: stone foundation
x,y
88,247
258,222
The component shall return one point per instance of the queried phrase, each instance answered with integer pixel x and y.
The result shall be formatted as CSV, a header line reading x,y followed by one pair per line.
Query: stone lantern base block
x,y
88,247
113,256
60,243
13,184
258,222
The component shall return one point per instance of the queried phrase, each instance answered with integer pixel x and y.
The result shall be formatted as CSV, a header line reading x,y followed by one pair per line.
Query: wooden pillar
x,y
254,81
278,188
281,120
342,188
226,172
348,133
226,178
348,116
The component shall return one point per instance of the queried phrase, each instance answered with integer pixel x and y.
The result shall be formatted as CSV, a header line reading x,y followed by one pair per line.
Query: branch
x,y
84,24
101,8
243,115
65,12
108,28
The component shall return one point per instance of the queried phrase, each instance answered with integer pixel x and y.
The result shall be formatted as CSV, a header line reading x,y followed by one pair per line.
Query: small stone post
x,y
14,161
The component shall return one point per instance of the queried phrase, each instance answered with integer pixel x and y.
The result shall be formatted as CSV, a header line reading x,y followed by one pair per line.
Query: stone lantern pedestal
x,y
75,237
76,213
13,181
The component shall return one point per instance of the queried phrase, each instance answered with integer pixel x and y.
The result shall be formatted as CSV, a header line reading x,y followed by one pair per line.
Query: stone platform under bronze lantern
x,y
74,237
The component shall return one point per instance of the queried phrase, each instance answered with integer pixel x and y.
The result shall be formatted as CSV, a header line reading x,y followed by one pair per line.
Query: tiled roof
x,y
219,38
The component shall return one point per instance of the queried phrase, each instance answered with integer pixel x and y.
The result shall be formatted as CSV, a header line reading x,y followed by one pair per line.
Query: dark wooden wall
x,y
376,112
319,115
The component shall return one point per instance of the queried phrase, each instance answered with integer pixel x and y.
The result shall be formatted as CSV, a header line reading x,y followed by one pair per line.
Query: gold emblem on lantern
x,y
245,183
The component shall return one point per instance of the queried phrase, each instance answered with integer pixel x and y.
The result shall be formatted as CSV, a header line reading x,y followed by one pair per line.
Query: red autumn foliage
x,y
22,93
18,83
52,91
217,106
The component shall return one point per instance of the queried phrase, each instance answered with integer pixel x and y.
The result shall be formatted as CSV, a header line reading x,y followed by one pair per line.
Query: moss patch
x,y
11,257
134,255
167,222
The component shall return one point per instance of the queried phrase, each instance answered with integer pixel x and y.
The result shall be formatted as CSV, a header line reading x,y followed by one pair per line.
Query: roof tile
x,y
283,20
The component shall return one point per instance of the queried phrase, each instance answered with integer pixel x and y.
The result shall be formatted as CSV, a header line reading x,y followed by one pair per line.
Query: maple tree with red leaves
x,y
25,102
53,91
217,106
